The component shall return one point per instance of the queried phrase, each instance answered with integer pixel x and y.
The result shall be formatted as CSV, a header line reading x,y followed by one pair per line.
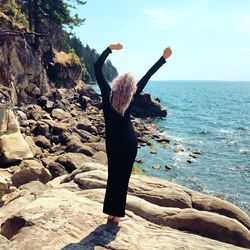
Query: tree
x,y
88,57
51,17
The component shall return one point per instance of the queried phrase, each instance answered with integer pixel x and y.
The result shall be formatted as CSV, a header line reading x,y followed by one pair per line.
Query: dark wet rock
x,y
167,167
41,128
85,135
42,141
153,151
56,169
79,147
193,156
46,104
139,160
196,152
163,140
146,106
64,74
72,161
88,91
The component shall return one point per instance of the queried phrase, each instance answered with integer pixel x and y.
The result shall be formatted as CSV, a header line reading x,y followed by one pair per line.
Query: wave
x,y
242,129
244,151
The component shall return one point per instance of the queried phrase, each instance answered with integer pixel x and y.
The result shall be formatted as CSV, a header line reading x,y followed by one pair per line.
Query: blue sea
x,y
212,117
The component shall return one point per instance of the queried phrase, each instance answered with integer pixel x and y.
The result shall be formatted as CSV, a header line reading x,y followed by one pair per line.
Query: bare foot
x,y
116,219
120,219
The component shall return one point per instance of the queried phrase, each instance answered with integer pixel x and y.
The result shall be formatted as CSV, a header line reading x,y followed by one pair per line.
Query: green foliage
x,y
53,19
88,57
13,10
74,57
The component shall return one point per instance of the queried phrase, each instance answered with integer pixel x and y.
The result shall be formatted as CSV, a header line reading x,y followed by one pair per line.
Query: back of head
x,y
123,89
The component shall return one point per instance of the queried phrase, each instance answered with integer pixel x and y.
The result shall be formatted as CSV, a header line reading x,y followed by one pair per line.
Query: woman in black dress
x,y
121,140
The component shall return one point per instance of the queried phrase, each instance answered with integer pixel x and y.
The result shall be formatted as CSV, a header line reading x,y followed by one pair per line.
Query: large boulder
x,y
30,170
145,105
13,147
42,219
63,69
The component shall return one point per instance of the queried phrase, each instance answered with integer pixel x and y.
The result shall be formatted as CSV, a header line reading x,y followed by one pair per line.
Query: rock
x,y
21,66
60,114
30,170
34,112
13,147
216,205
4,243
59,128
162,140
56,169
101,157
42,142
56,210
45,103
196,152
79,147
88,91
83,100
66,73
85,135
156,166
86,167
85,124
139,160
153,151
41,128
189,161
98,146
146,106
4,185
33,147
21,116
179,149
167,167
72,161
193,156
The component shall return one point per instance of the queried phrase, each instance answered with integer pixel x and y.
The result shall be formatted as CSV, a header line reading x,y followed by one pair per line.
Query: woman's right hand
x,y
167,53
116,46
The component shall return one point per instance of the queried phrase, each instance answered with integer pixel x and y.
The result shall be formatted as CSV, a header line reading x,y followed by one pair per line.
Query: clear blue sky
x,y
210,39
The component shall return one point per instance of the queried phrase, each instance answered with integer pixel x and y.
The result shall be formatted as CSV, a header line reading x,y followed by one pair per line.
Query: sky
x,y
210,39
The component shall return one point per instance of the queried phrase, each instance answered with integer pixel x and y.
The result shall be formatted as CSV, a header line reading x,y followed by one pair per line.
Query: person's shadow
x,y
101,236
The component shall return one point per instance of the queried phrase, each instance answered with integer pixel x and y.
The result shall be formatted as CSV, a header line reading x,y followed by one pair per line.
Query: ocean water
x,y
212,117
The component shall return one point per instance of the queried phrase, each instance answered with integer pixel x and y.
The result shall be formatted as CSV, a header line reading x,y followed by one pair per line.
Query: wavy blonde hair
x,y
123,89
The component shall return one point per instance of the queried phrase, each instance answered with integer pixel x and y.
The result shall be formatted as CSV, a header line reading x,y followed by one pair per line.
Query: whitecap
x,y
225,131
177,139
244,151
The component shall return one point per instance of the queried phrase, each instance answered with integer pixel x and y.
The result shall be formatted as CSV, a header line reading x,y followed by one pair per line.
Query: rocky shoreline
x,y
53,171
52,192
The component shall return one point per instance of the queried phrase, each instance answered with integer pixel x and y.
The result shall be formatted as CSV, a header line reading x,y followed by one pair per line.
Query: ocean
x,y
213,118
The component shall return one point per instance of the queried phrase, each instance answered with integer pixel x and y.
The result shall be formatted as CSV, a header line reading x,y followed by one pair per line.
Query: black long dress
x,y
121,140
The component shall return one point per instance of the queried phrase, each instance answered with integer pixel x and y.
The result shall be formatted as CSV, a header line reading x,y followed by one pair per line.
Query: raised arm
x,y
103,85
142,83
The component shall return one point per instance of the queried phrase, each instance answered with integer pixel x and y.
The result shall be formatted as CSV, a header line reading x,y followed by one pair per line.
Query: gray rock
x,y
30,170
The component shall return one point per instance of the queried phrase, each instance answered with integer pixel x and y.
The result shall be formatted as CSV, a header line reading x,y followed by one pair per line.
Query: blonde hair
x,y
123,89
